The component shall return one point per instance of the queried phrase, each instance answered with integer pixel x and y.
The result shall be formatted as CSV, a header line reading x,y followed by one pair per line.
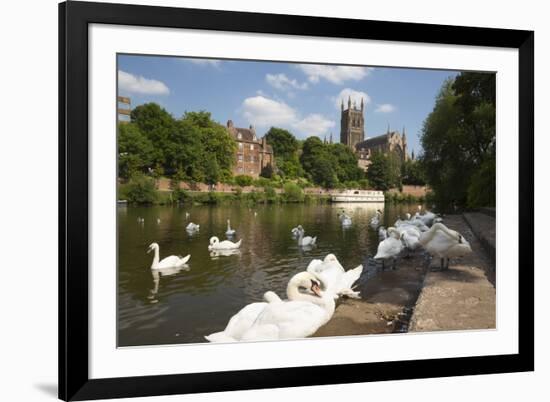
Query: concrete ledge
x,y
484,227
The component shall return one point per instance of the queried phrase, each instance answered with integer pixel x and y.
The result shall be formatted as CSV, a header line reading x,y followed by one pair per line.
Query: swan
x,y
375,220
306,309
335,279
243,320
307,240
230,232
382,233
428,218
187,215
191,227
216,244
409,235
172,261
294,231
442,242
158,221
390,247
345,220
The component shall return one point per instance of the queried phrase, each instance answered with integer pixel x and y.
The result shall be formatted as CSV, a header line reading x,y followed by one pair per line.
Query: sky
x,y
302,98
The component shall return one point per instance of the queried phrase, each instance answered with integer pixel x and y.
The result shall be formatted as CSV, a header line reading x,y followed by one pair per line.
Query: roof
x,y
375,141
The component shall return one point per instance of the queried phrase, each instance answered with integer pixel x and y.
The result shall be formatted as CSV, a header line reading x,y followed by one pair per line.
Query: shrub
x,y
363,184
243,181
238,192
141,190
293,192
180,195
270,194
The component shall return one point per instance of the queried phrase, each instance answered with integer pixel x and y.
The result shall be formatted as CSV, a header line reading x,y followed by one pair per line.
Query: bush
x,y
141,190
270,194
363,184
180,195
293,193
243,181
238,192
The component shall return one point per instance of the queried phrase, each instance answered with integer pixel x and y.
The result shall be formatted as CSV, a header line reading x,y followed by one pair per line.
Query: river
x,y
182,307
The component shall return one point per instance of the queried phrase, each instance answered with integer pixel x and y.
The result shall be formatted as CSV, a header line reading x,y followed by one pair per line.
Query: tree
x,y
458,138
344,163
283,142
378,172
411,173
135,151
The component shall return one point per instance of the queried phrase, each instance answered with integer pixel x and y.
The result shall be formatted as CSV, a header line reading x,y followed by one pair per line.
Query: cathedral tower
x,y
352,124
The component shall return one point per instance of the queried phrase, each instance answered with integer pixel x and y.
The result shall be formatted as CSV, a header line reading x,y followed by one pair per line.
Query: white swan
x,y
294,231
305,240
390,247
306,309
335,279
229,231
428,218
375,220
409,235
444,243
158,221
187,215
345,220
243,320
172,261
216,244
192,227
382,233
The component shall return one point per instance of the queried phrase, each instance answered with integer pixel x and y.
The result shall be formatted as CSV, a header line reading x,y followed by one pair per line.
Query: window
x,y
252,147
240,146
240,170
251,158
239,136
240,158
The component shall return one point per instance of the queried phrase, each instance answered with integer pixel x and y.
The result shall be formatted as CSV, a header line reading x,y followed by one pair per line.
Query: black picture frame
x,y
74,18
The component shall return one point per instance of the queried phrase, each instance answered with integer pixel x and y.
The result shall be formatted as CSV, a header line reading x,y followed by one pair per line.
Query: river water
x,y
182,307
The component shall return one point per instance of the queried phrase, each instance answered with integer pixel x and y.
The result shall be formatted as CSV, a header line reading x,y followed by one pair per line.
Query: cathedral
x,y
352,134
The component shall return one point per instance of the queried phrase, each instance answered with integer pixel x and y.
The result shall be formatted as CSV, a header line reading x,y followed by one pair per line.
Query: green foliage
x,y
458,139
364,184
180,195
293,193
384,171
412,173
482,191
270,194
243,180
141,190
135,151
283,142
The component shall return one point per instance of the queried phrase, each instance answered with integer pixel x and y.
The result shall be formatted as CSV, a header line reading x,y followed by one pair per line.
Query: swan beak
x,y
316,289
149,250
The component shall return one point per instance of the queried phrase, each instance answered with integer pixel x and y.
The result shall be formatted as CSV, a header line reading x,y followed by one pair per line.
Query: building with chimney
x,y
253,154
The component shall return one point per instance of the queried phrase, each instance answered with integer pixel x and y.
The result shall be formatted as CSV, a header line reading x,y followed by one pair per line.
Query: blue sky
x,y
303,98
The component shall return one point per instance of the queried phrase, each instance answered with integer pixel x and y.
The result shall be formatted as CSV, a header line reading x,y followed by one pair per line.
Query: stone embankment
x,y
460,298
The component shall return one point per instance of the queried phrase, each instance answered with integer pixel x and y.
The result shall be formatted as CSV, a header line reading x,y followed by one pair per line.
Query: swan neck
x,y
156,257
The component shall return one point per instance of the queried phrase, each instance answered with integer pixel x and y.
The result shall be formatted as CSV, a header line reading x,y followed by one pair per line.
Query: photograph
x,y
261,200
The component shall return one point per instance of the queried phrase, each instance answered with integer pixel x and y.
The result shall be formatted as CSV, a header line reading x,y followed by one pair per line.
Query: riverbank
x,y
458,299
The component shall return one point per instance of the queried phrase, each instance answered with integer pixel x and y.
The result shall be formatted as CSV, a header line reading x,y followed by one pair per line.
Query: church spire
x,y
330,142
342,106
349,102
362,105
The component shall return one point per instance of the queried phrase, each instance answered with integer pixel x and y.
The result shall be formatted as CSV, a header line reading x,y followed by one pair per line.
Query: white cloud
x,y
385,108
205,62
283,83
140,85
334,74
355,96
263,112
314,124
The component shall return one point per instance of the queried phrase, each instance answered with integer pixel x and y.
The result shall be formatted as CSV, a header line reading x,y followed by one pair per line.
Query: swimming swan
x,y
305,240
172,261
230,232
192,227
216,244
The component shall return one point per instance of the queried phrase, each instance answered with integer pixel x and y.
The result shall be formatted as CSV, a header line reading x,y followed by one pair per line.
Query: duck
x,y
172,261
390,247
305,240
306,310
230,232
216,244
191,227
335,279
444,243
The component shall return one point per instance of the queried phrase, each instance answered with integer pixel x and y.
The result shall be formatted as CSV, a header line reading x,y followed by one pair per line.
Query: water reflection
x,y
182,306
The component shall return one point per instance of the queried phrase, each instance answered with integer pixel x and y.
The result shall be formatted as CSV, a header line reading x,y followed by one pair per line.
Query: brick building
x,y
252,154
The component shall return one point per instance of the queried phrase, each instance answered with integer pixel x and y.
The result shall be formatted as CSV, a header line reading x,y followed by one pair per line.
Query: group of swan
x,y
307,308
413,233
